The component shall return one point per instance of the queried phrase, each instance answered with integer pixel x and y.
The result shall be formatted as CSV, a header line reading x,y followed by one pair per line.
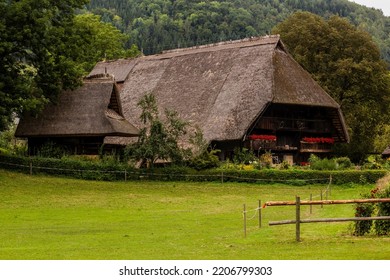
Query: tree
x,y
346,63
44,49
33,68
93,40
158,139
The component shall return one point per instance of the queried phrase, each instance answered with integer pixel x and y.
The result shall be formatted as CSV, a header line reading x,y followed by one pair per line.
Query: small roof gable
x,y
83,112
119,69
386,152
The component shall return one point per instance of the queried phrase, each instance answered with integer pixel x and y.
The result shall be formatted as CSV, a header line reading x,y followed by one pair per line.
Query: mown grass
x,y
55,218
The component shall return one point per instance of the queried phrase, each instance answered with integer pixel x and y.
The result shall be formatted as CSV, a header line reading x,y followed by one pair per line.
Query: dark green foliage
x,y
33,66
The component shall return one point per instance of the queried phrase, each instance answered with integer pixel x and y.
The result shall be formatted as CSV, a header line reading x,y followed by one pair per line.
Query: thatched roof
x,y
223,88
91,110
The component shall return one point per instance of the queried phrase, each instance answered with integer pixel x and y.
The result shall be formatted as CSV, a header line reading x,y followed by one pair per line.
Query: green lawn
x,y
55,218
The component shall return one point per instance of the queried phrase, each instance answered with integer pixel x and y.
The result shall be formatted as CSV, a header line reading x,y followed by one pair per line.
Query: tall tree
x,y
347,64
33,68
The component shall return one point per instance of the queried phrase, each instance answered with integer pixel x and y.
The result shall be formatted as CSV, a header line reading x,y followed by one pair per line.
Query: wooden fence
x,y
298,221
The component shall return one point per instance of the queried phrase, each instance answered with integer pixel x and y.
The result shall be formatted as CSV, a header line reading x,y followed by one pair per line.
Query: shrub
x,y
51,150
243,156
373,162
382,227
343,163
206,160
284,165
363,210
323,164
266,159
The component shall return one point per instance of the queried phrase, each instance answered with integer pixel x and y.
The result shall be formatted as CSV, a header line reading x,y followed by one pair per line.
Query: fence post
x,y
244,220
125,175
311,205
322,205
259,213
222,177
31,167
298,219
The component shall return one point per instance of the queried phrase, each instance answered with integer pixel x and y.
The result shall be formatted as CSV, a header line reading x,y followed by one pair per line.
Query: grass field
x,y
55,218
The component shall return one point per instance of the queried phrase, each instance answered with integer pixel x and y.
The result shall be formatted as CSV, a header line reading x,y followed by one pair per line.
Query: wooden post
x,y
298,219
125,175
31,168
259,213
322,206
244,220
311,205
330,185
222,177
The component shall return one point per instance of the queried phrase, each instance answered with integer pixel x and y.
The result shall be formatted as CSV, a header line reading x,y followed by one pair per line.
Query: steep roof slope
x,y
223,88
86,111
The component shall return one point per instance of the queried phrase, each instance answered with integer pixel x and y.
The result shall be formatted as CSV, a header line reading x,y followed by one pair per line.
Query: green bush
x,y
206,160
361,228
77,168
382,227
52,150
322,164
343,163
243,156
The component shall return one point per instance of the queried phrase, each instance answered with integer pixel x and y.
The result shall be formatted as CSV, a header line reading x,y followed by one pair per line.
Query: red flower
x,y
327,140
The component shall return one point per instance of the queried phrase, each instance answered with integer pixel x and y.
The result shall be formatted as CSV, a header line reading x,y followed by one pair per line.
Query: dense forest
x,y
155,25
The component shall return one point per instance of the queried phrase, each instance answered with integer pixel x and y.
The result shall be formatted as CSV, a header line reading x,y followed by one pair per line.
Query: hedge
x,y
113,171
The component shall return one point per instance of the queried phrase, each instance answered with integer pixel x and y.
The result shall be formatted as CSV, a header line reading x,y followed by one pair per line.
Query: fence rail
x,y
298,221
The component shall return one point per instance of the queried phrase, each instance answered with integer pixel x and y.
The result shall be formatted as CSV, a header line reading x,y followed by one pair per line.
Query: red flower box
x,y
262,137
327,140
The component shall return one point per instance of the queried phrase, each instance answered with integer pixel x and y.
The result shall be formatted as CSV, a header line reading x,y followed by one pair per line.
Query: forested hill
x,y
155,25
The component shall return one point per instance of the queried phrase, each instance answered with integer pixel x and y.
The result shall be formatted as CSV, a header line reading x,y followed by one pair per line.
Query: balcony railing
x,y
315,147
294,124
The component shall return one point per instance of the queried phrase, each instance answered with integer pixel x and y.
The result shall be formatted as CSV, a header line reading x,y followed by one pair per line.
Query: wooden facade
x,y
293,131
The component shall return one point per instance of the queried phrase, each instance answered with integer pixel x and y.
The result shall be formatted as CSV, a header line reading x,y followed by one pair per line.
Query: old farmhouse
x,y
246,93
81,119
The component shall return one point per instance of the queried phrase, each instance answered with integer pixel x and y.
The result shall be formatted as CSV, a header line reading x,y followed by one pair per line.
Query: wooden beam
x,y
329,220
322,202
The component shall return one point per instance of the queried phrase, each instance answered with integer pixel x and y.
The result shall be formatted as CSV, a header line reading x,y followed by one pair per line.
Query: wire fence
x,y
125,174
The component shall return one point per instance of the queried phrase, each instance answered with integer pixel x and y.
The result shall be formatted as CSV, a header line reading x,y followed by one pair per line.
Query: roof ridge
x,y
224,43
